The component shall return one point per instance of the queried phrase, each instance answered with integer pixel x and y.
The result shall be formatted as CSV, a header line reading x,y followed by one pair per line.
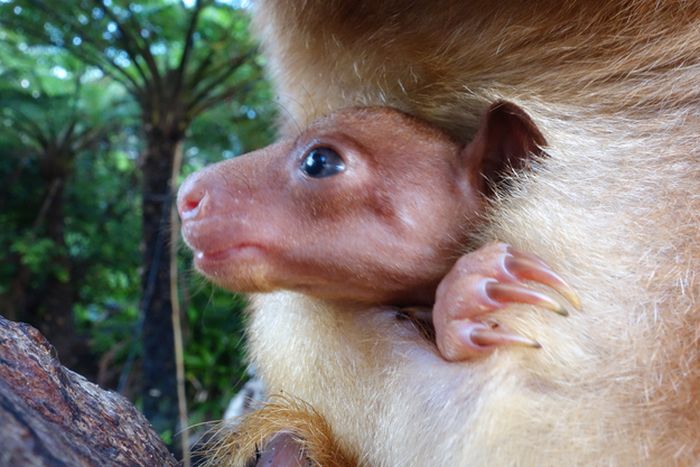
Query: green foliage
x,y
33,251
103,233
161,51
93,74
214,350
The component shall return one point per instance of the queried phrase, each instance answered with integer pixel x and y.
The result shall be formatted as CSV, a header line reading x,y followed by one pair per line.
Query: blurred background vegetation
x,y
104,106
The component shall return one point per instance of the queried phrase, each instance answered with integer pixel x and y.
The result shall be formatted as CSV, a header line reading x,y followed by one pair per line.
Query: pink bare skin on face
x,y
370,205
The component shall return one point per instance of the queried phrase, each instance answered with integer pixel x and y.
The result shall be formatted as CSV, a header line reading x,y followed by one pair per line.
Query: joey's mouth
x,y
212,262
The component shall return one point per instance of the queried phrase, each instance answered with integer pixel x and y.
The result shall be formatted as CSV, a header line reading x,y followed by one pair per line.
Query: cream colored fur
x,y
615,207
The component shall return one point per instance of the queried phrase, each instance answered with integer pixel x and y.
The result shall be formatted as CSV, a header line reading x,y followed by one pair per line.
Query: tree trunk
x,y
51,416
160,402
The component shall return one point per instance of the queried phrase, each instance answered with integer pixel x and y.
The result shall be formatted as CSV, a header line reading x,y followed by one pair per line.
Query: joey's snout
x,y
221,211
214,191
212,208
225,211
193,196
228,188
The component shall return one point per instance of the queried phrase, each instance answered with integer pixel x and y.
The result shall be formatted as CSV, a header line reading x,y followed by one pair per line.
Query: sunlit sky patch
x,y
59,72
236,3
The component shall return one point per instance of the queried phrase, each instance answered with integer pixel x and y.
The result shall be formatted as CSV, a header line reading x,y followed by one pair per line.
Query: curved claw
x,y
503,293
487,337
529,267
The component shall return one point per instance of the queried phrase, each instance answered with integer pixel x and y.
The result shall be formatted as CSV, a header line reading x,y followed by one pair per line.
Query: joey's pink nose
x,y
191,197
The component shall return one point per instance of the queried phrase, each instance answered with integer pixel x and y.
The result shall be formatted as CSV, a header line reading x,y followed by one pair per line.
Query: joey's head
x,y
366,204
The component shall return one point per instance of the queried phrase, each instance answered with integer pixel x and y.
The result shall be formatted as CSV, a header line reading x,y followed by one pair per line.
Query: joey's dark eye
x,y
322,162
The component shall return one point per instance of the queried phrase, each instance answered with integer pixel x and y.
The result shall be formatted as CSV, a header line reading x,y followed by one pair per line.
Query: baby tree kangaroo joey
x,y
372,205
369,205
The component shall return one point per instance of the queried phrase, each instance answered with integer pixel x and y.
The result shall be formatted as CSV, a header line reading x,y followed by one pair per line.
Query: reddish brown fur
x,y
428,58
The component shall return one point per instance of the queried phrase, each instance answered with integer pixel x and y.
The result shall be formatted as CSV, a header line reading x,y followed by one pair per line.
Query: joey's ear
x,y
507,139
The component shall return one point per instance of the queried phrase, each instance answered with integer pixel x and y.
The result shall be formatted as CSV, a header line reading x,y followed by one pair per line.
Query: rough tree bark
x,y
51,416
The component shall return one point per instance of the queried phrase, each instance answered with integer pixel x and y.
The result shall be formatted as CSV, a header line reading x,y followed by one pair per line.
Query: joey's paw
x,y
482,282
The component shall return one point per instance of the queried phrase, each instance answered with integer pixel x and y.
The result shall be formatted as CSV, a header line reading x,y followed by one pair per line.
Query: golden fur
x,y
281,414
615,89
